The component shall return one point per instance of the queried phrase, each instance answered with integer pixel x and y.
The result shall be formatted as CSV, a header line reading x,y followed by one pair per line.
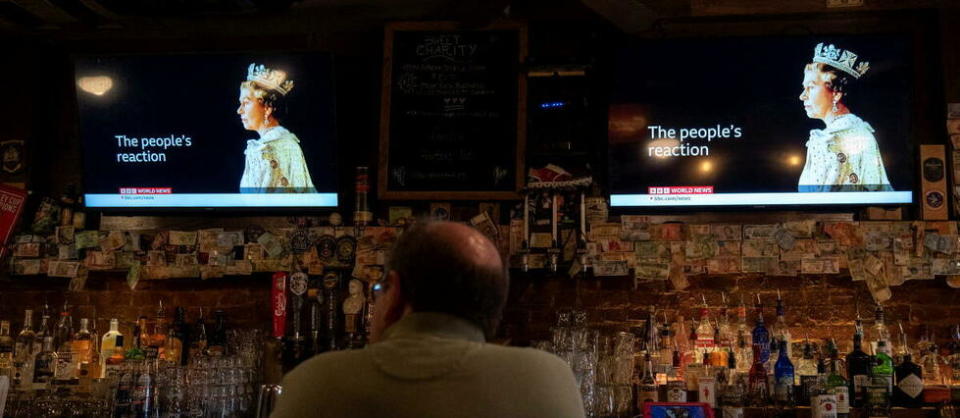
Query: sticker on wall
x,y
12,152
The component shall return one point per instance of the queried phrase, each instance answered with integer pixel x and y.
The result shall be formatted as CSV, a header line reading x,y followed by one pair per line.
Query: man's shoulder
x,y
529,357
327,366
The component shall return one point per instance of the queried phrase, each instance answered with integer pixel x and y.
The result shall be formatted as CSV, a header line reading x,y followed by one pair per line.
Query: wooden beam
x,y
630,16
778,7
46,11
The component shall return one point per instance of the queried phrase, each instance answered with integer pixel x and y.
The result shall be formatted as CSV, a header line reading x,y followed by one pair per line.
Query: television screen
x,y
208,131
762,121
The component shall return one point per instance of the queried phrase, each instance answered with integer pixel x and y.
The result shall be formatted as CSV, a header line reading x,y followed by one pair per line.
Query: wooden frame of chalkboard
x,y
453,111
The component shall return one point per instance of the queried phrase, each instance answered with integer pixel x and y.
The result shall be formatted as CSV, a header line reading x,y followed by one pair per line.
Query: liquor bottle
x,y
23,351
174,352
718,354
650,342
82,344
158,337
806,375
67,361
63,332
136,351
683,342
647,389
667,345
858,370
734,396
758,385
218,338
743,350
94,368
705,332
761,337
877,397
725,330
45,364
123,396
199,341
694,370
111,345
881,333
6,350
68,203
43,330
676,388
779,331
908,392
883,366
784,374
930,361
363,215
838,386
142,397
823,402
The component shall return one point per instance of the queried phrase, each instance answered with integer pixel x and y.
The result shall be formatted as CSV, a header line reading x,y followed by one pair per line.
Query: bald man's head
x,y
451,268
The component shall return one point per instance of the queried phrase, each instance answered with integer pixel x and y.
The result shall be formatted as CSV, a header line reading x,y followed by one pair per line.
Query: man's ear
x,y
395,303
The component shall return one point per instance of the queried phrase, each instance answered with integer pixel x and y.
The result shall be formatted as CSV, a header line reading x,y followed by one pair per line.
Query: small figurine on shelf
x,y
353,310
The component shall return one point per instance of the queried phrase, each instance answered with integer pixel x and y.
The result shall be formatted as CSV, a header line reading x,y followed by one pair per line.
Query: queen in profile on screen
x,y
274,162
843,156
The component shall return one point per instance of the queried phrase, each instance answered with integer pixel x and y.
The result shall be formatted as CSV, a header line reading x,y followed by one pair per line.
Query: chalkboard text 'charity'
x,y
447,47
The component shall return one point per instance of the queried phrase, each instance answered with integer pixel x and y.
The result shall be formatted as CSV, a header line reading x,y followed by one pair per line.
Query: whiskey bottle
x,y
807,376
23,351
158,337
82,348
647,389
136,351
858,370
199,341
839,387
67,361
6,350
177,339
218,338
45,364
111,346
823,402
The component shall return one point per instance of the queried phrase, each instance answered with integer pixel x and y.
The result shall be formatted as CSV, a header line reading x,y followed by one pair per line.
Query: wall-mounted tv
x,y
208,130
812,120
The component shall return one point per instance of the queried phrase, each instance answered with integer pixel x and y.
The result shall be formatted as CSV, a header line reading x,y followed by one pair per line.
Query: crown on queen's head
x,y
843,60
269,79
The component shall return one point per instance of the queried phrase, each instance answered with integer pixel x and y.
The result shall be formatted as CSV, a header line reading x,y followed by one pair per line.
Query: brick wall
x,y
820,307
244,299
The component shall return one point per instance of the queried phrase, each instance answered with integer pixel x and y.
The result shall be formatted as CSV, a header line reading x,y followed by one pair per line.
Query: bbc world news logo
x,y
680,190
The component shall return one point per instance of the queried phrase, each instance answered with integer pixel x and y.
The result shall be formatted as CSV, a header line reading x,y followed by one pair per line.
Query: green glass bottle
x,y
883,365
838,386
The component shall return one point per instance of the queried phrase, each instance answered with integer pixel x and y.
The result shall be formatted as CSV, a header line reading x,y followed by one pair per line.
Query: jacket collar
x,y
435,324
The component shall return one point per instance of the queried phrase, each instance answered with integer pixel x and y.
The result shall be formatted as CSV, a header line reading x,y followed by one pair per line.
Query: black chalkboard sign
x,y
453,111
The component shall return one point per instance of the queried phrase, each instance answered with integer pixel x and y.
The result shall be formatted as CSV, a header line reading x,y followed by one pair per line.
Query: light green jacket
x,y
431,365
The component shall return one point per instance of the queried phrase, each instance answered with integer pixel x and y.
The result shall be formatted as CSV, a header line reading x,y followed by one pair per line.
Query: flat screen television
x,y
208,130
772,121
